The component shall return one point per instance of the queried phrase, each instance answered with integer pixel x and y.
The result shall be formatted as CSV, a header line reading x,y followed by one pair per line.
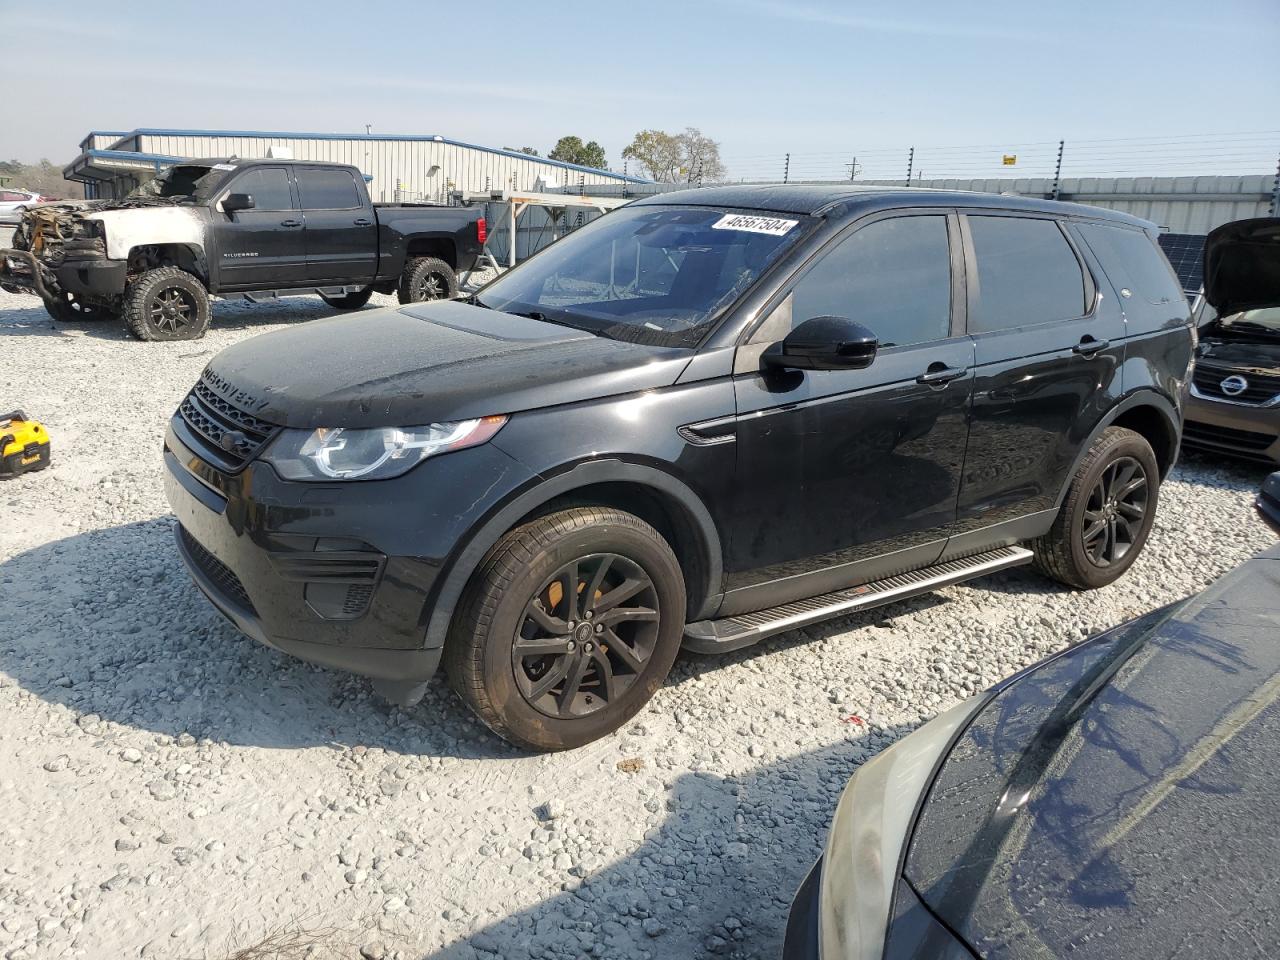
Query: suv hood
x,y
1242,265
429,362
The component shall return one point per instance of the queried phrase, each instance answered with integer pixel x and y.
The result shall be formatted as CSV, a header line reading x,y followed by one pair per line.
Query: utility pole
x,y
1275,192
911,162
1057,173
853,169
786,170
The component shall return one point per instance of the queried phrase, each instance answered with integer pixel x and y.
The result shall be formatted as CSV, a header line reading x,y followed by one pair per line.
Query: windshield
x,y
1247,323
187,181
655,275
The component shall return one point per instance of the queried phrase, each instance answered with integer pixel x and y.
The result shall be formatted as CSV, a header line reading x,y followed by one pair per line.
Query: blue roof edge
x,y
286,134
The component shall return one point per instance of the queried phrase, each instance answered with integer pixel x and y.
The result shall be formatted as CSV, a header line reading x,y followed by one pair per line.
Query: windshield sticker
x,y
223,166
770,225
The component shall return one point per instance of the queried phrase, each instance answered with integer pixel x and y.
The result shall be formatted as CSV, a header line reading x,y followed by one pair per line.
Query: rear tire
x,y
1107,515
349,301
68,308
600,649
166,304
427,278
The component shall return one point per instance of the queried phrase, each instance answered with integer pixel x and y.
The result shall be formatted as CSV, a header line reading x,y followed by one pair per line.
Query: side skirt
x,y
733,633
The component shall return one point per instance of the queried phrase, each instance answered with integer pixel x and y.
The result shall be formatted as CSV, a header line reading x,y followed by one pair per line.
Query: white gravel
x,y
171,789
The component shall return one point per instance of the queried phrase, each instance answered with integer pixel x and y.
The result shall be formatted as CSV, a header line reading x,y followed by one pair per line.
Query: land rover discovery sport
x,y
706,418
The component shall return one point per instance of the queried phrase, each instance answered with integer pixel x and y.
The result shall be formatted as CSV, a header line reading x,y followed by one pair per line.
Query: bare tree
x,y
687,157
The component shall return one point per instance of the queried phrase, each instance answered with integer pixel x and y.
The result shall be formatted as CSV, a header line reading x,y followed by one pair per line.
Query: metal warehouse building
x,y
398,168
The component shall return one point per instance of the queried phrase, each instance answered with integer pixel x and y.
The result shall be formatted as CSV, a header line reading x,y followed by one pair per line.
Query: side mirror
x,y
238,201
826,343
1268,502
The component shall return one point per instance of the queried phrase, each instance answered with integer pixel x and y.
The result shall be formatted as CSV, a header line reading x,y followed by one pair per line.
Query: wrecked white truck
x,y
231,227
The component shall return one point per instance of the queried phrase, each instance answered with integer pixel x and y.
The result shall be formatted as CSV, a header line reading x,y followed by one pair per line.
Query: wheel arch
x,y
185,256
440,246
1149,414
657,497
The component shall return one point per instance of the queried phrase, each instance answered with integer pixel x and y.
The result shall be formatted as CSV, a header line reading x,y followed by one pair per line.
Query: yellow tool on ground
x,y
24,444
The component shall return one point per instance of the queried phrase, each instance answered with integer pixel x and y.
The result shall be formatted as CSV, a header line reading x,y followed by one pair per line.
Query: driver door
x,y
849,475
262,248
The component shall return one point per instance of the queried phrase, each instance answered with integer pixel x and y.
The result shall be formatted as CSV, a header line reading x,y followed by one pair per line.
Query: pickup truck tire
x,y
349,301
427,278
68,308
568,627
166,304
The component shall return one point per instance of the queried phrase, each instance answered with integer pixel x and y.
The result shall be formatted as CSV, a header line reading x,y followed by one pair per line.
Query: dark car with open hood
x,y
1114,802
706,418
1234,407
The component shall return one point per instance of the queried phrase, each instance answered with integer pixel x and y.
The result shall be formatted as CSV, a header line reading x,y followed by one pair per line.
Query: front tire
x,y
1107,516
166,304
567,629
427,278
68,308
349,301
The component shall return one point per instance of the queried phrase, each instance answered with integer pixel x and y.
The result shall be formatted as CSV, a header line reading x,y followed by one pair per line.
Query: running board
x,y
733,633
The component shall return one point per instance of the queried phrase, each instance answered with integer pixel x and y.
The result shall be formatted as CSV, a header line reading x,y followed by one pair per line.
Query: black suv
x,y
706,418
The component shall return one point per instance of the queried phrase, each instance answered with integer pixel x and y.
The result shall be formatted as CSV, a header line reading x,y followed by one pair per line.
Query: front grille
x,y
1220,438
231,437
217,571
1262,388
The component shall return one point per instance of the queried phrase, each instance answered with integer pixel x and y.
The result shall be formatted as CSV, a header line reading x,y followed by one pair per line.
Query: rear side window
x,y
893,276
1133,260
1027,273
327,189
269,187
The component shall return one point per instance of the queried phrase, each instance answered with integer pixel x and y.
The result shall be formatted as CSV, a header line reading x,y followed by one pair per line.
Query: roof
x,y
818,199
294,135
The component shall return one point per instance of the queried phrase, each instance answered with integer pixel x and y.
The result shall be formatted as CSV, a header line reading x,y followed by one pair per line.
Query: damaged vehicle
x,y
705,419
1234,407
258,228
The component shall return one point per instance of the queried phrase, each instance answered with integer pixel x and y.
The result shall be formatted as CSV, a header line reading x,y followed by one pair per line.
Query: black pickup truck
x,y
230,227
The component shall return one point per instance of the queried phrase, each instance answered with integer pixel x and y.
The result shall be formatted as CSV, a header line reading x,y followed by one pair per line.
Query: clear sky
x,y
825,81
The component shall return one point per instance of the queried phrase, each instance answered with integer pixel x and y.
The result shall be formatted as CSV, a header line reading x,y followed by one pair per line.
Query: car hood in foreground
x,y
429,362
1242,265
1120,801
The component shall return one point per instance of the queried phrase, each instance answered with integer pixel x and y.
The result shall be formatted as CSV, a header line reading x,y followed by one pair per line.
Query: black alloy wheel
x,y
171,309
1114,512
431,285
586,635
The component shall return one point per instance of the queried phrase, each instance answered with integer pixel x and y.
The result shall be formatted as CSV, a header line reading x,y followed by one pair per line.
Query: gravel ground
x,y
172,789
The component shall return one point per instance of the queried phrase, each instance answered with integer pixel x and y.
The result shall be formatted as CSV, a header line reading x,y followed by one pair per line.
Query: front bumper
x,y
280,561
96,279
801,941
1236,429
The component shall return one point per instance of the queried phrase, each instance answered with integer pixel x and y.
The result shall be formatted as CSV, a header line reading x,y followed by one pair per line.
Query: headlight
x,y
340,453
868,833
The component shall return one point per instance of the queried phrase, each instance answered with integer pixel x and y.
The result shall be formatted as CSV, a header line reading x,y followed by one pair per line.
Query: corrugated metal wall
x,y
401,168
1178,204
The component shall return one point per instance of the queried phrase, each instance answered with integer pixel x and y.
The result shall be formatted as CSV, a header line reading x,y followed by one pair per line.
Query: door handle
x,y
362,222
938,376
1089,346
290,223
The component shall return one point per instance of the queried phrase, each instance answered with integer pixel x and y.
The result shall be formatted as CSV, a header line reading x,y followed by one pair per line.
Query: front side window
x,y
326,189
657,275
892,276
269,187
1027,273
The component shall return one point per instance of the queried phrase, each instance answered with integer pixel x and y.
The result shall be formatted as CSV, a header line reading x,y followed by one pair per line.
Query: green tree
x,y
573,150
529,150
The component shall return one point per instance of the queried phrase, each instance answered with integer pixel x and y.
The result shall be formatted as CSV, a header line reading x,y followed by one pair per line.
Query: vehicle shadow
x,y
228,315
1221,470
715,877
109,623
